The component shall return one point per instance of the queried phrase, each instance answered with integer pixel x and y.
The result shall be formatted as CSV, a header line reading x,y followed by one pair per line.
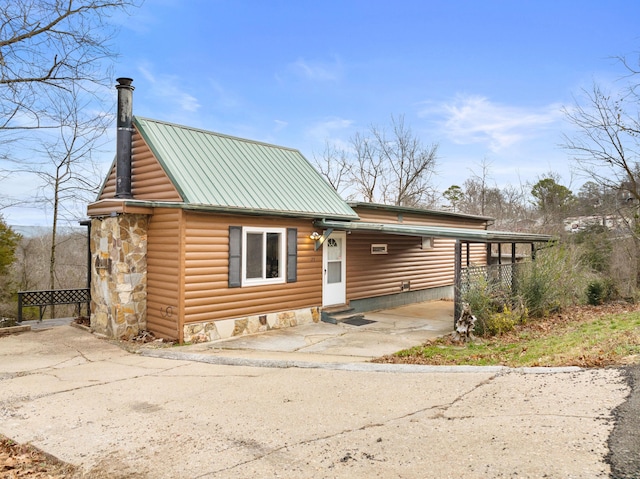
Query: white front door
x,y
334,269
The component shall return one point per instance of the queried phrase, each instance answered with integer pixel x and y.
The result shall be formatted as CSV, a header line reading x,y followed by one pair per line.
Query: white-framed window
x,y
264,257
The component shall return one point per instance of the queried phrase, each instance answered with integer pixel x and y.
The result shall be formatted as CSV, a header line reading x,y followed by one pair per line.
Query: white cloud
x,y
280,125
170,89
475,119
326,129
317,70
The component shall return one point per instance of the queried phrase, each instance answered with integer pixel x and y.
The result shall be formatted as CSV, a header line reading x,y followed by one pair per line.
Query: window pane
x,y
273,255
334,272
334,249
255,256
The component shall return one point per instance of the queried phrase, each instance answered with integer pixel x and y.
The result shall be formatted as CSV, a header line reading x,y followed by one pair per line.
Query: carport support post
x,y
457,293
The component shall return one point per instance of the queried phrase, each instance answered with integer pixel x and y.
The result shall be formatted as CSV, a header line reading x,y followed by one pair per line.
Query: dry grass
x,y
594,336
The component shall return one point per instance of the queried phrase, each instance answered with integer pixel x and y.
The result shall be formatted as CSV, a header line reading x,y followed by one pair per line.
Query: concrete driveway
x,y
117,415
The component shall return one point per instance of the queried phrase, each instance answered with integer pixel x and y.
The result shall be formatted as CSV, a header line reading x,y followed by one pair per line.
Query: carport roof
x,y
462,234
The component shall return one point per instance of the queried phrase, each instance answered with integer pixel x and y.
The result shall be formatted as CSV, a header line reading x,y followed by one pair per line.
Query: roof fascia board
x,y
463,234
106,178
212,208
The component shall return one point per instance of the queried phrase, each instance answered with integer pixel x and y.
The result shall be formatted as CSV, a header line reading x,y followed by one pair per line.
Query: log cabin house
x,y
197,236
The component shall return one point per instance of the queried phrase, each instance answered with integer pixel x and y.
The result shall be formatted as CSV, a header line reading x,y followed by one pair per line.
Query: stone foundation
x,y
119,275
227,328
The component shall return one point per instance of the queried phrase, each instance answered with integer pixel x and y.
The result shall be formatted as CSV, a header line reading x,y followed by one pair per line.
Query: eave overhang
x,y
462,234
109,207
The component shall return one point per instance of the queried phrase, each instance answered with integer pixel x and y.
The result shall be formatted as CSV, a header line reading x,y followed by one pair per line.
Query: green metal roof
x,y
463,234
218,171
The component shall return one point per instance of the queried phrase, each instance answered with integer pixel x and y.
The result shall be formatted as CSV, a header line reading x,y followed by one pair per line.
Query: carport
x,y
464,237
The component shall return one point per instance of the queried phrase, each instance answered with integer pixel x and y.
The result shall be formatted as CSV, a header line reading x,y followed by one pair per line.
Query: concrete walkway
x,y
122,415
384,333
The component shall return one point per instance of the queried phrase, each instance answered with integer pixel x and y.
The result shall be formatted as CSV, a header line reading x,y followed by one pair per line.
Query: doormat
x,y
358,321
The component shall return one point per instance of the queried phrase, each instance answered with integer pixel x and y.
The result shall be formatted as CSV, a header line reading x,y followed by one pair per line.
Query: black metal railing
x,y
53,297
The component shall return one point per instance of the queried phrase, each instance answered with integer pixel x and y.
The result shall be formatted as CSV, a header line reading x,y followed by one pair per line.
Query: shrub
x,y
555,279
600,291
495,309
595,247
480,299
502,322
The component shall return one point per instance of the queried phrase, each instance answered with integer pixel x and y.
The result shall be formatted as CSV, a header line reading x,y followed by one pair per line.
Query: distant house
x,y
197,236
576,224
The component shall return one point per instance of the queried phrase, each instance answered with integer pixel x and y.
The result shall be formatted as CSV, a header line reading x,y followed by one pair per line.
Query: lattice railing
x,y
52,297
499,276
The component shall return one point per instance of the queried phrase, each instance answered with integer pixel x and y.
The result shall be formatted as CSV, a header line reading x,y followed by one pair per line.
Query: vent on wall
x,y
427,242
379,249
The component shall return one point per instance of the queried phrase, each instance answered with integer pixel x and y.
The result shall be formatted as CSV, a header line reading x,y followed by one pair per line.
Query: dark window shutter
x,y
235,256
292,255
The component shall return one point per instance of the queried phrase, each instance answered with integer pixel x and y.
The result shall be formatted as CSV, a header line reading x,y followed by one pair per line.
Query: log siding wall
x,y
148,180
378,216
377,275
371,275
164,275
207,296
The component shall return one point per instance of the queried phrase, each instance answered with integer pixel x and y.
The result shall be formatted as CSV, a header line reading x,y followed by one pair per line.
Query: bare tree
x,y
392,168
409,164
49,48
607,145
334,165
30,271
48,45
515,213
507,205
68,173
606,149
477,192
368,169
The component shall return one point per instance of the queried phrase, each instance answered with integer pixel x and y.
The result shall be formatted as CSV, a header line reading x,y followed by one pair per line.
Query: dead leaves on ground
x,y
23,460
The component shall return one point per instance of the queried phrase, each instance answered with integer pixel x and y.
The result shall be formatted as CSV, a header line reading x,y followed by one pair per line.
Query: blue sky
x,y
486,80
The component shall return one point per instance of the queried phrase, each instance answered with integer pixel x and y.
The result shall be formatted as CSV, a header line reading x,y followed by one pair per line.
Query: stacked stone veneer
x,y
226,328
119,275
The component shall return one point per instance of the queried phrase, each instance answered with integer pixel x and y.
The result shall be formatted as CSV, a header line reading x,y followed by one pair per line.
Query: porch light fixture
x,y
315,236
